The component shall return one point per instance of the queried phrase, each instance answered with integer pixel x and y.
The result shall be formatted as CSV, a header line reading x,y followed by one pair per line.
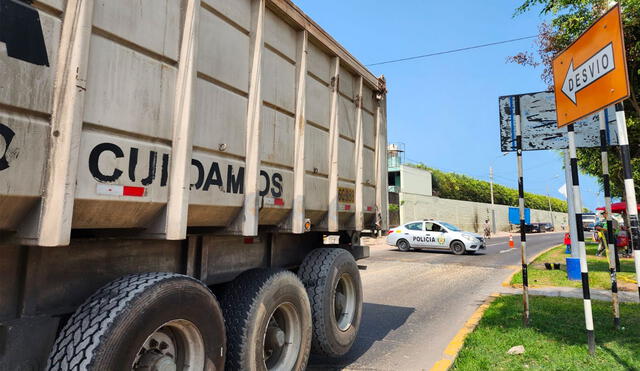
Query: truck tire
x,y
333,284
268,321
144,321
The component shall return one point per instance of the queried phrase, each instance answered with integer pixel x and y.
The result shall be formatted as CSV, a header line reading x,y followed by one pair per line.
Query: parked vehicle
x,y
433,234
167,168
588,221
535,228
548,227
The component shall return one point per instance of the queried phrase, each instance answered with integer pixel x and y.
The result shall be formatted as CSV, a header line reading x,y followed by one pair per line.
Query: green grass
x,y
555,339
598,271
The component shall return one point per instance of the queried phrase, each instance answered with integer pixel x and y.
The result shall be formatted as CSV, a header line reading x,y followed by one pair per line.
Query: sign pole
x,y
577,204
607,206
573,228
523,235
632,206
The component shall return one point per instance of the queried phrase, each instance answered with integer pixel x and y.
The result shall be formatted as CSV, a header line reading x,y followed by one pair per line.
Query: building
x,y
411,198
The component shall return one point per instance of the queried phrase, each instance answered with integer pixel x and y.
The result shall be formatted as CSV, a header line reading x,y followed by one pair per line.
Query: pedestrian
x,y
487,229
601,231
567,243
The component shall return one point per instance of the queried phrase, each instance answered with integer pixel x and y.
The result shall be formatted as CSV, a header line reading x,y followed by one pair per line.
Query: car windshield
x,y
451,227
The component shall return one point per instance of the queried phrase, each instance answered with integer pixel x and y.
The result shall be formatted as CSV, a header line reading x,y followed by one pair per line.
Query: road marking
x,y
507,250
451,352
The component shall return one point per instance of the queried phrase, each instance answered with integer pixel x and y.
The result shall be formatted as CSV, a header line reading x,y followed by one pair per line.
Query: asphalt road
x,y
415,302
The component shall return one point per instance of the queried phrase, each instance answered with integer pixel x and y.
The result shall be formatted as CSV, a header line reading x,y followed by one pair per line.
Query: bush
x,y
465,188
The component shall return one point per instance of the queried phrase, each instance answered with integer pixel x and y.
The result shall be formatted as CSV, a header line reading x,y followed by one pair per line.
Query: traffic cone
x,y
511,241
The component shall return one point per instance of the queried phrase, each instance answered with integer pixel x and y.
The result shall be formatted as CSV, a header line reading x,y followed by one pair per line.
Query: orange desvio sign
x,y
592,72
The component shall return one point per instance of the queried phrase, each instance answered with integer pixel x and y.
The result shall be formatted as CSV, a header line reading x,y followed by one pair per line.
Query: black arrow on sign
x,y
21,31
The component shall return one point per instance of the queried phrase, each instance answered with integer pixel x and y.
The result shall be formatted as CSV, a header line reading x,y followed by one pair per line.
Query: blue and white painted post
x,y
584,271
607,206
523,235
630,193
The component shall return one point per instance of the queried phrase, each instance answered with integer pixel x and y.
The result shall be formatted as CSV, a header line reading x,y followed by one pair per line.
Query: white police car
x,y
432,234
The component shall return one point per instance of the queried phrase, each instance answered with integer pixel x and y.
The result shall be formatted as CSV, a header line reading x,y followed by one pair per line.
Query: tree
x,y
569,19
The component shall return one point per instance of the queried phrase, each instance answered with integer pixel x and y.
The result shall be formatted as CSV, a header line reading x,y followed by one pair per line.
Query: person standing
x,y
601,228
487,229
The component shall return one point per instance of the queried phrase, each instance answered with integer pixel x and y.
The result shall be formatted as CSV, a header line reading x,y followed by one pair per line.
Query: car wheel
x,y
457,247
403,245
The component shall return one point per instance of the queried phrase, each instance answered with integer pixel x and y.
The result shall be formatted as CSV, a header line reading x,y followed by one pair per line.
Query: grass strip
x,y
555,339
598,271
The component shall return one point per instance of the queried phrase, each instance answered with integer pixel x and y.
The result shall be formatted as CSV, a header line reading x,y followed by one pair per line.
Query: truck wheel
x,y
457,247
268,321
403,245
151,321
333,284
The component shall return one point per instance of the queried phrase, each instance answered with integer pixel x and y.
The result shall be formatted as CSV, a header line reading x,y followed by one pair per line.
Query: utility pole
x,y
550,212
493,209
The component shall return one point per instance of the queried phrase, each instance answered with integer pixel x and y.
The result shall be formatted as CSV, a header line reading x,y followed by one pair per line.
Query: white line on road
x,y
507,250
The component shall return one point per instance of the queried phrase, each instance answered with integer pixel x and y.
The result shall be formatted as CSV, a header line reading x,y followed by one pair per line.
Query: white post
x,y
523,235
577,199
573,227
607,204
630,192
493,208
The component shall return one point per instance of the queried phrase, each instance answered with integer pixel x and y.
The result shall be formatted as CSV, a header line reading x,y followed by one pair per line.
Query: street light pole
x,y
550,212
493,209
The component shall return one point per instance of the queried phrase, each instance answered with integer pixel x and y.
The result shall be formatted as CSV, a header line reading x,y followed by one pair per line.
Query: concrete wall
x,y
415,181
467,215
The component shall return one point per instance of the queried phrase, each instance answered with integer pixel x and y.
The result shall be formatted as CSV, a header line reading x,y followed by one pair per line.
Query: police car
x,y
432,234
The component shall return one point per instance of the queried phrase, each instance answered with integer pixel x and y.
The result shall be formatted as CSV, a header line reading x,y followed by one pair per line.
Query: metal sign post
x,y
632,206
607,204
577,204
523,235
573,228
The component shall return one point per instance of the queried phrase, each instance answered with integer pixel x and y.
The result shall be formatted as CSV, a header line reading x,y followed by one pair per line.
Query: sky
x,y
445,108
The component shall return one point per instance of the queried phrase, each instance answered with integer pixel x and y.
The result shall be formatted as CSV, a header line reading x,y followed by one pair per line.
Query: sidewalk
x,y
574,292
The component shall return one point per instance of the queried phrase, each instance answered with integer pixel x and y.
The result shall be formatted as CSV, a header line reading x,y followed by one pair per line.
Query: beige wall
x,y
415,181
467,215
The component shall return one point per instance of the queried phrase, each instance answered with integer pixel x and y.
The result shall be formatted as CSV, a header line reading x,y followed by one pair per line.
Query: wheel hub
x,y
177,345
344,302
275,337
153,361
282,338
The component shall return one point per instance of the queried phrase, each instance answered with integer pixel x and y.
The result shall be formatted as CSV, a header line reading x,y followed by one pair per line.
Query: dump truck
x,y
170,171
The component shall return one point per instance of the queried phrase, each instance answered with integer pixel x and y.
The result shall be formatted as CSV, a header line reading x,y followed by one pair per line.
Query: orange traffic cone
x,y
511,241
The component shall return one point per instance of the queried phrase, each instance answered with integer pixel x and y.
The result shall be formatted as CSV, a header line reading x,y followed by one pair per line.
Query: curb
x,y
507,282
454,346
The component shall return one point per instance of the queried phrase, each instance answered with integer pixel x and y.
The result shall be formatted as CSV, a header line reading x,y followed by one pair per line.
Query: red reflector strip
x,y
369,208
278,202
118,190
133,191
